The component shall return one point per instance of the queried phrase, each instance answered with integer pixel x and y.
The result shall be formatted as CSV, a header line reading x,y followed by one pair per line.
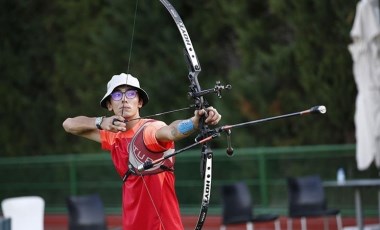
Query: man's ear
x,y
140,103
109,106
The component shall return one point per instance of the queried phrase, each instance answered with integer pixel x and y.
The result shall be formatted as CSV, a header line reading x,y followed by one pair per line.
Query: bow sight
x,y
217,89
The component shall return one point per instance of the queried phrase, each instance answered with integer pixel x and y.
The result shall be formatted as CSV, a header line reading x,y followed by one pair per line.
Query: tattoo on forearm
x,y
174,132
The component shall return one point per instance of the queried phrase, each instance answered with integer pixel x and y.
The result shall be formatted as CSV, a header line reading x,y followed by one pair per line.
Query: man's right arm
x,y
82,126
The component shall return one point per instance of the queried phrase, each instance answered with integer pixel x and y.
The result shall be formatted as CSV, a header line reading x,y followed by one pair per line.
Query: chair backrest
x,y
86,212
306,194
5,223
236,203
26,212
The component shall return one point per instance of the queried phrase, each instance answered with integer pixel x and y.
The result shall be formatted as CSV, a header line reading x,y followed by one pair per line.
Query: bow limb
x,y
195,66
200,103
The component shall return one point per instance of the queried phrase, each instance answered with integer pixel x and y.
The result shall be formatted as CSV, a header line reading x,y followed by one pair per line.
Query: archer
x,y
149,200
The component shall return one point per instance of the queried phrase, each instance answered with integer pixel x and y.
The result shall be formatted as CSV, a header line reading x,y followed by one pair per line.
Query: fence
x,y
265,169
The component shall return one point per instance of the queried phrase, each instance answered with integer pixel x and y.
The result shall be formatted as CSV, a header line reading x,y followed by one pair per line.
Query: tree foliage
x,y
280,56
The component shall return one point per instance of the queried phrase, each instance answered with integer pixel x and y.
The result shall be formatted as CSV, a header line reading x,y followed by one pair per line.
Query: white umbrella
x,y
365,51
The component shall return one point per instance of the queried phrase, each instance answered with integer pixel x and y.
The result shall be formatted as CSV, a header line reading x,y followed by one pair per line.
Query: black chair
x,y
86,212
237,207
307,199
5,223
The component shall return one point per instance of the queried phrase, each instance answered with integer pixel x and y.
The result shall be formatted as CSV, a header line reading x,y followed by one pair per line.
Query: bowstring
x,y
131,43
132,36
151,199
128,68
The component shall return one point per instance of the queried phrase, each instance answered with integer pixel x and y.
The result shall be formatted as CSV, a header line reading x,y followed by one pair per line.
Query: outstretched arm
x,y
180,129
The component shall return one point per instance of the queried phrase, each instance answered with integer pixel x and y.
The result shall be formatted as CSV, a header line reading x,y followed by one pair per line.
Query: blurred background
x,y
56,58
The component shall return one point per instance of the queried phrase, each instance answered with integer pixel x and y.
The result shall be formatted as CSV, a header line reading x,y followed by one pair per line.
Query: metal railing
x,y
264,169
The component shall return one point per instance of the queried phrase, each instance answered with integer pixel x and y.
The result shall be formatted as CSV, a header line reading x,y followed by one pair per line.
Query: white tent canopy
x,y
365,51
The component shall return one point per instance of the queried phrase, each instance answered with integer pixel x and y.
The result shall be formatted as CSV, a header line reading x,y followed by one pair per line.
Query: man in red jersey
x,y
149,198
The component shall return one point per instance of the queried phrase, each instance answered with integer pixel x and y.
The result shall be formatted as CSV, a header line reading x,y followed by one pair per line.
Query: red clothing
x,y
149,202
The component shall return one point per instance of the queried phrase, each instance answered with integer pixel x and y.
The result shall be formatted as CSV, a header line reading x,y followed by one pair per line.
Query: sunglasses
x,y
118,95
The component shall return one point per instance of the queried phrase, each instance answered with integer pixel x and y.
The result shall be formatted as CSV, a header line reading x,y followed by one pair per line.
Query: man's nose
x,y
124,96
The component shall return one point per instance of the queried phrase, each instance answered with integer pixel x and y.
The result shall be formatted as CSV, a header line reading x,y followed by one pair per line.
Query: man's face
x,y
125,101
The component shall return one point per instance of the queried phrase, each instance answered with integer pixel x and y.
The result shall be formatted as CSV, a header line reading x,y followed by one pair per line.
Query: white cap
x,y
124,79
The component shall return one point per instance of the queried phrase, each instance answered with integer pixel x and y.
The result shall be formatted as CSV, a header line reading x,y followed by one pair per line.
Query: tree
x,y
279,57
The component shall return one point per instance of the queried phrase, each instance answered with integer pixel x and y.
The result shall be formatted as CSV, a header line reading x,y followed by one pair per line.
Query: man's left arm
x,y
180,129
